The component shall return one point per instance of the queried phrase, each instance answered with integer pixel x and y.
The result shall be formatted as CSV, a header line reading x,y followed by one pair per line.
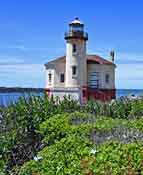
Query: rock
x,y
121,134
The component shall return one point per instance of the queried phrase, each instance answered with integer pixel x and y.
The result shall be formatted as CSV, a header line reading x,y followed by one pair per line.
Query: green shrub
x,y
63,157
64,127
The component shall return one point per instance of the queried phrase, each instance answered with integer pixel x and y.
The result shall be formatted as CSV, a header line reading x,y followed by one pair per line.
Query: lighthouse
x,y
76,64
80,75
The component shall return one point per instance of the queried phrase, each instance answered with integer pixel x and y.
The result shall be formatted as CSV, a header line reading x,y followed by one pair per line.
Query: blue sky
x,y
32,33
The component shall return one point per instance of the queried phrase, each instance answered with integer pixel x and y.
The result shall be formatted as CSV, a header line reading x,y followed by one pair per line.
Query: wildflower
x,y
93,151
124,136
112,102
36,158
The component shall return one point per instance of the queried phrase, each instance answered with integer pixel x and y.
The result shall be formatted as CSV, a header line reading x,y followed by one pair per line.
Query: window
x,y
50,77
74,48
107,77
74,70
62,78
77,28
93,79
84,93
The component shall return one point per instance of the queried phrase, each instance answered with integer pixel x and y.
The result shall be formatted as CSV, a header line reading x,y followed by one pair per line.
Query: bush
x,y
70,150
56,130
19,121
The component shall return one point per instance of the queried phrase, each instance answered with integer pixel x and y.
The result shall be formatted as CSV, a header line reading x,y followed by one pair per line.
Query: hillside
x,y
42,136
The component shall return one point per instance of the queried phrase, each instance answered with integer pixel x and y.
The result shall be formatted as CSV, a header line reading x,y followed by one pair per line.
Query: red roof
x,y
90,58
98,60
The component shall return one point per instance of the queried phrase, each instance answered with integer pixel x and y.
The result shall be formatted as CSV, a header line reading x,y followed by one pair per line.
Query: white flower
x,y
93,151
109,137
112,102
36,158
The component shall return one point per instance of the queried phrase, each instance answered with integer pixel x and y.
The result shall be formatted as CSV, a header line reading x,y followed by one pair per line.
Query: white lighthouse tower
x,y
76,64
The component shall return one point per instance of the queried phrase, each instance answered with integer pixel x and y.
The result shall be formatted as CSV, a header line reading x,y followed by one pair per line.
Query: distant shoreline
x,y
119,92
20,89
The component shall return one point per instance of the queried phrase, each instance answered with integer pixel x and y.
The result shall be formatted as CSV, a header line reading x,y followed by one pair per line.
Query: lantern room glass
x,y
76,28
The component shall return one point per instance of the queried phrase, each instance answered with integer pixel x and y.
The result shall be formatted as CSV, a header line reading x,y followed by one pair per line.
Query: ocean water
x,y
126,92
7,98
12,97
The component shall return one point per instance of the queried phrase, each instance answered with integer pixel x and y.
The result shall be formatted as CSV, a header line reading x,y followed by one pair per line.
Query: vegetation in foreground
x,y
41,136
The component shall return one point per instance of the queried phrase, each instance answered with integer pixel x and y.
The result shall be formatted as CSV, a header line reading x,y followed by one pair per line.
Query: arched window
x,y
62,77
74,49
50,77
74,70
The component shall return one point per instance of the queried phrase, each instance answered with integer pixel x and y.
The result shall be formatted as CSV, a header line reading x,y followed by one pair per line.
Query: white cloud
x,y
10,60
129,58
129,76
120,57
25,48
23,75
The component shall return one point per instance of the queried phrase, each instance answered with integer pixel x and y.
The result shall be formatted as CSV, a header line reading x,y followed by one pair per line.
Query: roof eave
x,y
49,65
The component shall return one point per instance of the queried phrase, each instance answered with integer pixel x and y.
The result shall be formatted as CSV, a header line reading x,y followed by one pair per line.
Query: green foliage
x,y
20,120
137,108
70,149
116,158
61,158
117,108
59,126
7,141
64,128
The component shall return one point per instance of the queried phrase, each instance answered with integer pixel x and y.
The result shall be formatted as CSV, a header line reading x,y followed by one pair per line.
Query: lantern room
x,y
76,30
76,26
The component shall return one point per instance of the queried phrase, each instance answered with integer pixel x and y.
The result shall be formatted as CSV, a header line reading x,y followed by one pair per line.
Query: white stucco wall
x,y
59,67
103,70
47,83
75,93
77,59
